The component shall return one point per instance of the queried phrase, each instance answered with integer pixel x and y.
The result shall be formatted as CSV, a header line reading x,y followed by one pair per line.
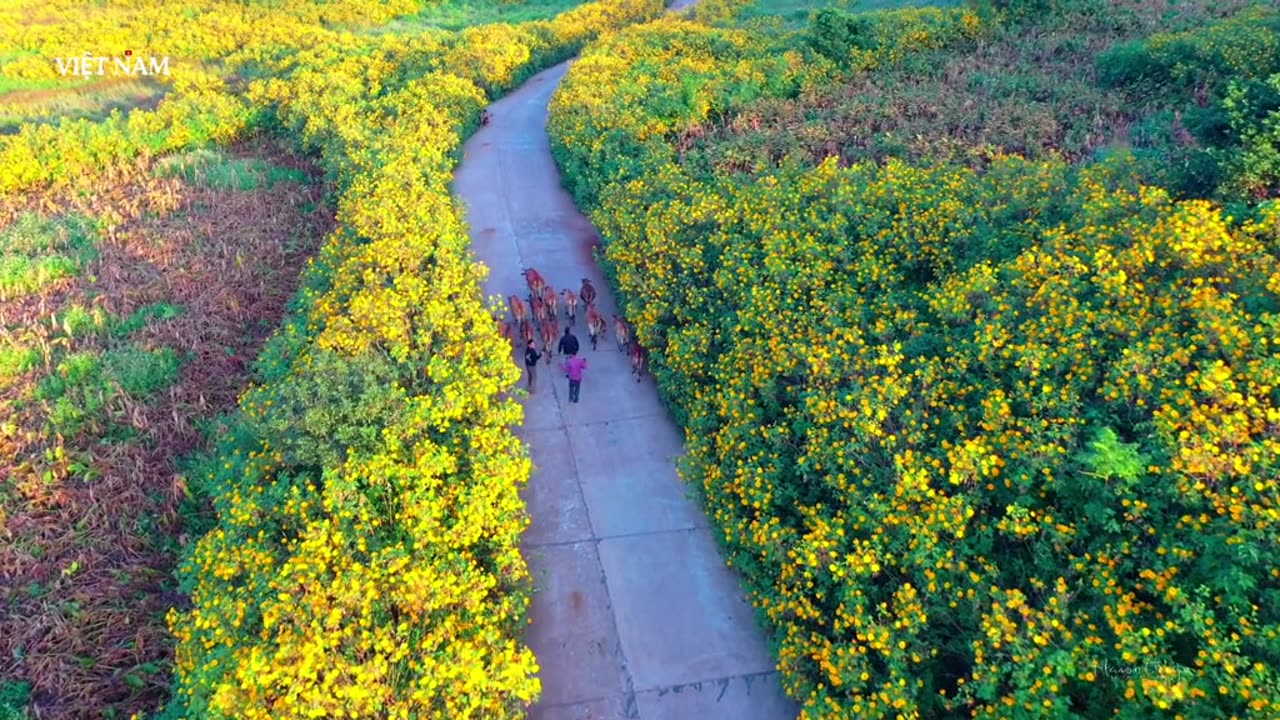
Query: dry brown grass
x,y
1026,91
231,259
90,100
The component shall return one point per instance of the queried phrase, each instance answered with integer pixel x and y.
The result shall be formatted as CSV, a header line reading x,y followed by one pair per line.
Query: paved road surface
x,y
635,613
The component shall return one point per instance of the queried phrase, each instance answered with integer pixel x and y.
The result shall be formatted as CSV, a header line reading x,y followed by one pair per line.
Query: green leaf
x,y
1113,459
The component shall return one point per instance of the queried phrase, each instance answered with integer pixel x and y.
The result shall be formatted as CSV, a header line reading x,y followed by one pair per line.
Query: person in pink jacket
x,y
573,367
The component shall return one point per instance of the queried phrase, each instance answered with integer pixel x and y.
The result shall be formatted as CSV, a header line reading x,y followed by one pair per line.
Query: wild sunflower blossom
x,y
975,440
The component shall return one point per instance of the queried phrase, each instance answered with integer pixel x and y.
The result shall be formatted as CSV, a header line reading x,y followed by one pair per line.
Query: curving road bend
x,y
635,614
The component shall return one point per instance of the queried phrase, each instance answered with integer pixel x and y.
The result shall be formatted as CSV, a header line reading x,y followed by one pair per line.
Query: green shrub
x,y
16,359
1130,63
1246,45
1253,113
866,40
336,406
1016,11
14,697
837,34
140,372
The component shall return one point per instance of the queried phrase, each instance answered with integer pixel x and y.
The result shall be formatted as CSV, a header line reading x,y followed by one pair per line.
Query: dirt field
x,y
128,320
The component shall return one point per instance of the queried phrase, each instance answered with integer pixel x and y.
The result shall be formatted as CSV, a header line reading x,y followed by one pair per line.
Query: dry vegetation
x,y
94,99
189,278
1025,90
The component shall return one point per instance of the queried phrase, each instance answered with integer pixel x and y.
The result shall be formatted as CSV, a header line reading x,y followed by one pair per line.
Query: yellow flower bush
x,y
365,559
193,30
204,41
311,43
998,444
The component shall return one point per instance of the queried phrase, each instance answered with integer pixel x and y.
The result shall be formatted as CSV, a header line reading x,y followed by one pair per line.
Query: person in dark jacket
x,y
531,357
568,344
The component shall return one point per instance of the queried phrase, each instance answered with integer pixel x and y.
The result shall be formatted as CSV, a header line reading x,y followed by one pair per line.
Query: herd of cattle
x,y
536,318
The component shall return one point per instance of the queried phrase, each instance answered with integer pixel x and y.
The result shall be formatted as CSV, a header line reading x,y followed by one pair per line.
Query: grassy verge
x,y
461,14
795,13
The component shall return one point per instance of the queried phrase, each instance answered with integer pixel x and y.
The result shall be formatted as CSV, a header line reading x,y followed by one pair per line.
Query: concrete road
x,y
635,613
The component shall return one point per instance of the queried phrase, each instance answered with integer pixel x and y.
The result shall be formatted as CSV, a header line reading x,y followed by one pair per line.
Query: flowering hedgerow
x,y
365,559
999,444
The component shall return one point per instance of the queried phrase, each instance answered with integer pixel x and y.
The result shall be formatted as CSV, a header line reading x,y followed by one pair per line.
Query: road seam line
x,y
621,536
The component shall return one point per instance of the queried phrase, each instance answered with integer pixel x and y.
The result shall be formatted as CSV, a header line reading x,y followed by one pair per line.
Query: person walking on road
x,y
568,344
531,357
573,367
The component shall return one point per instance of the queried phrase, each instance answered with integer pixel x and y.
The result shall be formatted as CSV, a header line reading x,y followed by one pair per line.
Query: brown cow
x,y
518,309
526,331
571,306
595,325
506,329
549,297
536,282
539,309
549,330
621,332
637,360
587,293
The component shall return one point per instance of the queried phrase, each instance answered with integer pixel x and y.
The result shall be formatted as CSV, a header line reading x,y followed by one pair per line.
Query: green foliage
x,y
138,319
1112,458
795,14
36,251
1018,11
78,321
214,169
1130,63
140,372
836,34
84,385
14,697
339,405
461,14
16,359
719,11
1246,45
1253,113
867,40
